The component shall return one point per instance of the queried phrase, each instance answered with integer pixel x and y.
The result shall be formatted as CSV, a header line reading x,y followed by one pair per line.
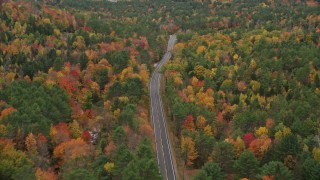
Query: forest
x,y
72,98
243,98
241,91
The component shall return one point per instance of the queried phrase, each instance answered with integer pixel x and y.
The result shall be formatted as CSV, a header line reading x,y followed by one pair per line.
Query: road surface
x,y
162,141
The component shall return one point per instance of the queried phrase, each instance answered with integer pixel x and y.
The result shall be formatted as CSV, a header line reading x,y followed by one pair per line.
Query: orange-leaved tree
x,y
188,150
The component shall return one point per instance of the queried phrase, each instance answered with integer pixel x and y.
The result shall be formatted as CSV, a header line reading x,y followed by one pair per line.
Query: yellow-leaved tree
x,y
283,131
208,130
201,49
108,166
188,150
262,131
239,146
316,153
75,129
201,122
31,143
79,43
205,99
199,71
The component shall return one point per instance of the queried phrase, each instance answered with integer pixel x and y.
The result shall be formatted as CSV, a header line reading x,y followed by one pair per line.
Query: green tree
x,y
115,90
223,154
204,146
145,150
277,170
119,60
119,135
179,112
81,173
211,171
122,159
58,64
88,100
311,169
249,119
83,61
41,106
127,115
26,172
133,88
202,175
131,172
247,166
288,145
14,164
146,163
98,165
102,77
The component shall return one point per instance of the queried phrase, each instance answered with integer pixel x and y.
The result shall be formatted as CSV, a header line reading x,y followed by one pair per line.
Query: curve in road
x,y
162,141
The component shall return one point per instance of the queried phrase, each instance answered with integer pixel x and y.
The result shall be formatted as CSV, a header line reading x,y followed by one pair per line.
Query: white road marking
x,y
156,81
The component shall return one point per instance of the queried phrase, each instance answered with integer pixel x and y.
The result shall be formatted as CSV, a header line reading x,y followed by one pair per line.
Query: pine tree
x,y
211,171
247,166
311,169
223,154
277,170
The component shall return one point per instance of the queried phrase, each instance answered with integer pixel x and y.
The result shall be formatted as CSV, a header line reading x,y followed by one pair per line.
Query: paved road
x,y
158,118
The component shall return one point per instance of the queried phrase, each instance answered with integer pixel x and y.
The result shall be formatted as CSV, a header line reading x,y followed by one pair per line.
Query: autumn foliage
x,y
241,89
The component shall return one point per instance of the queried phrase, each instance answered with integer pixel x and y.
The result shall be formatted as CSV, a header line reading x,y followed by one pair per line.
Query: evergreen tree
x,y
122,159
102,78
247,166
148,167
288,145
311,169
131,172
277,170
79,174
202,175
210,171
223,154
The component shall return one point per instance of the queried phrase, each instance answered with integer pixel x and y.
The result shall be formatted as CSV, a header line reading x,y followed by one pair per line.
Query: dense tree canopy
x,y
41,107
241,91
